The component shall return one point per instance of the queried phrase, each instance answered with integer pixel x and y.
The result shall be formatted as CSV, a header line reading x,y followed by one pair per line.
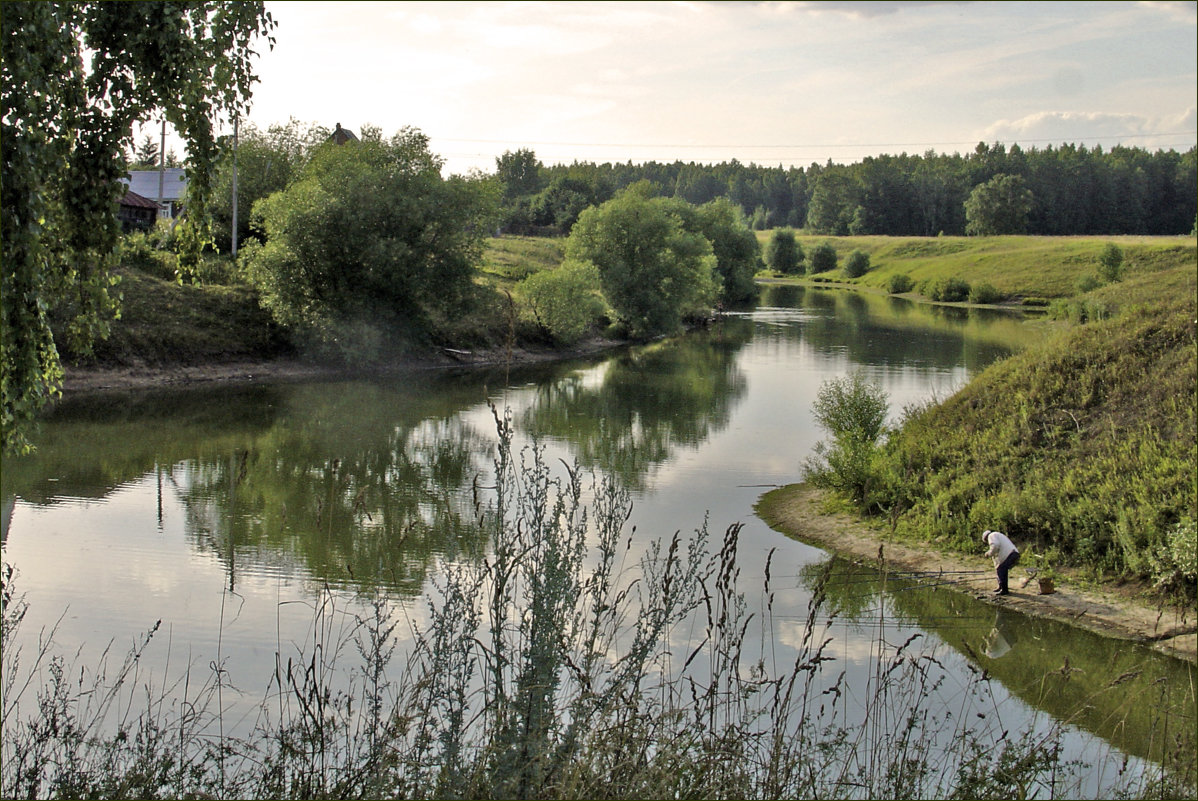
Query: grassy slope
x,y
1084,444
508,259
166,323
1023,266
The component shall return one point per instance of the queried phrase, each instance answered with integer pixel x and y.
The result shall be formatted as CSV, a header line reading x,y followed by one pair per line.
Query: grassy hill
x,y
1019,266
1082,447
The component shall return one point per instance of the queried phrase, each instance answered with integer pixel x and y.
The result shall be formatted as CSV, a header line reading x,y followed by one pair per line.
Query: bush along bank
x,y
1082,449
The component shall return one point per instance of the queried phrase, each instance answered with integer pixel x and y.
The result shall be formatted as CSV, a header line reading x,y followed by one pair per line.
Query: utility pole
x,y
235,118
162,166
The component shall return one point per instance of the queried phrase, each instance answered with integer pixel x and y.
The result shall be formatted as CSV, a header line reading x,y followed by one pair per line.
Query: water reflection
x,y
148,505
1130,695
645,403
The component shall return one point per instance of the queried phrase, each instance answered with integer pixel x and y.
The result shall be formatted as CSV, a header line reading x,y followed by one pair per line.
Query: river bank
x,y
77,380
801,512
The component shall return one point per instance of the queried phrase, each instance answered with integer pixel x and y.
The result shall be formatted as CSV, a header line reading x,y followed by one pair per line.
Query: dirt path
x,y
797,511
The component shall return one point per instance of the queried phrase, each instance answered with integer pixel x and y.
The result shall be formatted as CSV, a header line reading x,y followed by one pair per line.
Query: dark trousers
x,y
1005,568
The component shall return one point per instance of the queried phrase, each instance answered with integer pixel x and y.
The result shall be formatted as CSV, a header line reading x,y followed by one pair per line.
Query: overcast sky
x,y
786,83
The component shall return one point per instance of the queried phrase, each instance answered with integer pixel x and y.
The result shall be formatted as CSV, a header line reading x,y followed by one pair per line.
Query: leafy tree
x,y
76,78
146,154
652,270
823,258
560,203
565,301
737,252
1110,262
760,219
854,412
857,264
784,253
999,206
834,201
520,173
370,245
267,161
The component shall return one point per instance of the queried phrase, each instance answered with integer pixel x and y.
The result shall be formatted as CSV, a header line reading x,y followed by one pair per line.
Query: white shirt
x,y
1000,547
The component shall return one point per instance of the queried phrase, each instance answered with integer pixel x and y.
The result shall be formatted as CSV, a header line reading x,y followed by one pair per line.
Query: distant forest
x,y
1074,190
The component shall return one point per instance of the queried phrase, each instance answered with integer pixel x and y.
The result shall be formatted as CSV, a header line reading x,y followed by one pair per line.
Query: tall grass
x,y
555,664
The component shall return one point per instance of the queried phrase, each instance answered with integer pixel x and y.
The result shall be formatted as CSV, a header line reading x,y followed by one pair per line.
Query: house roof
x,y
145,183
342,135
135,200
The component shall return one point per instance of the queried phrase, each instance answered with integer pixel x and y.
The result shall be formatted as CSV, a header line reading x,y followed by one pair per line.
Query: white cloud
x,y
1182,10
1095,127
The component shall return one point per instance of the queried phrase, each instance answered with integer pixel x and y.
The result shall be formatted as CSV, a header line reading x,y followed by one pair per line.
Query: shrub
x,y
1110,263
1174,563
857,264
564,302
1035,301
985,293
1087,283
899,283
945,290
823,258
854,412
783,253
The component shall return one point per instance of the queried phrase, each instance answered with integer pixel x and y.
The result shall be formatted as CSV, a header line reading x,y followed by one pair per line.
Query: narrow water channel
x,y
225,512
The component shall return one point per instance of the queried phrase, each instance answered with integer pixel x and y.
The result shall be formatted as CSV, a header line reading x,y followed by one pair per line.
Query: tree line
x,y
1074,190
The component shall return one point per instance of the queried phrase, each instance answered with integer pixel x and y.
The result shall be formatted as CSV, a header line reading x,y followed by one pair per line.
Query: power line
x,y
798,145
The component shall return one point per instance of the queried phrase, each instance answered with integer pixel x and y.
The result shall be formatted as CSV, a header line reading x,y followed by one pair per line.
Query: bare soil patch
x,y
799,511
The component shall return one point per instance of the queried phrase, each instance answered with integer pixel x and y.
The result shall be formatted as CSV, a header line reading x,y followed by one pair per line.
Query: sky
x,y
774,83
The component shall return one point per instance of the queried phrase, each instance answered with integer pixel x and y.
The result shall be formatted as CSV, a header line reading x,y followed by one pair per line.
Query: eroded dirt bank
x,y
798,511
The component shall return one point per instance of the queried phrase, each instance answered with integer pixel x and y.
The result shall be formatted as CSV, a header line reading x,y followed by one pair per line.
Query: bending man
x,y
1005,556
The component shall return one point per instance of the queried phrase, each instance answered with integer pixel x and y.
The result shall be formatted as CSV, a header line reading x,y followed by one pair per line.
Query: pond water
x,y
225,512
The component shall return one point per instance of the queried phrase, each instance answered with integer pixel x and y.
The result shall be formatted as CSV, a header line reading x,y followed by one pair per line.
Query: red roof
x,y
131,198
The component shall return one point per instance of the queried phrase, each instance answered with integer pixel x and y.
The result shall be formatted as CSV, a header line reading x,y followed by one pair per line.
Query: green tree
x,y
653,271
1110,263
853,411
267,161
857,264
833,201
565,302
823,258
784,253
559,204
76,79
146,154
520,172
370,246
999,206
737,251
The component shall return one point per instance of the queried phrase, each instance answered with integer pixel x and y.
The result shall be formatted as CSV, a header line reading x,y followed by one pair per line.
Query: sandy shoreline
x,y
797,511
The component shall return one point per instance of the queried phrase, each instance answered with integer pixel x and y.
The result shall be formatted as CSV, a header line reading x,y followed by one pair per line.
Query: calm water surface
x,y
224,512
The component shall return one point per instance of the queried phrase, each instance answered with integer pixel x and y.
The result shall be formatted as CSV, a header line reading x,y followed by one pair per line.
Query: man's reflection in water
x,y
1001,638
